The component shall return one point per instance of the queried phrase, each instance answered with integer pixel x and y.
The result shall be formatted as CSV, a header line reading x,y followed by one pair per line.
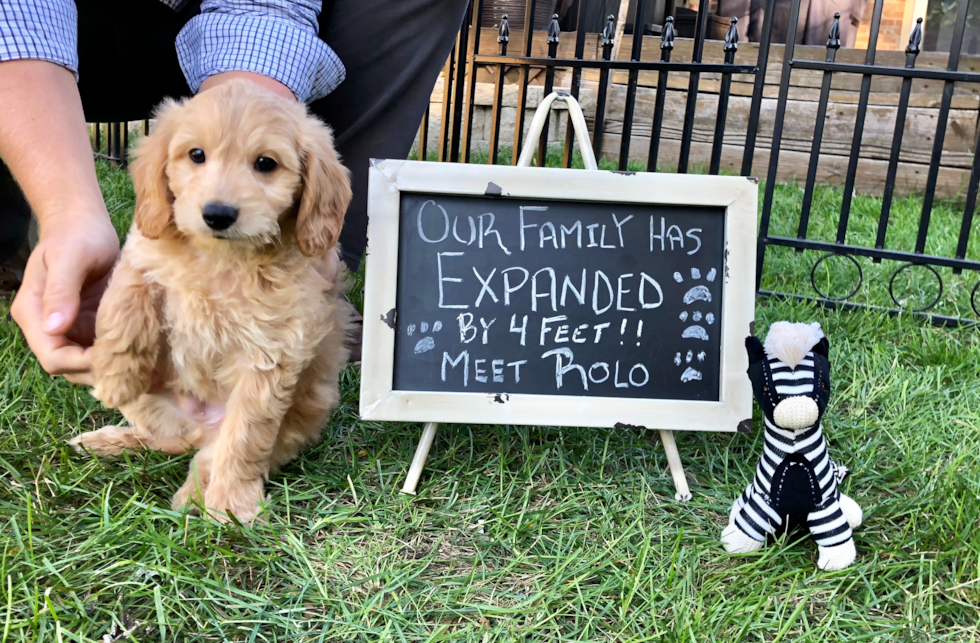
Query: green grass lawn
x,y
518,533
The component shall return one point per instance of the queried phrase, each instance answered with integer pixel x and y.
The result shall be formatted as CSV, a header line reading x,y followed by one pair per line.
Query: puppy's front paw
x,y
120,378
241,499
191,494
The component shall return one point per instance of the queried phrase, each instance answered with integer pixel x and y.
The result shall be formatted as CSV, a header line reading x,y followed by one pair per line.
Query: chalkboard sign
x,y
559,297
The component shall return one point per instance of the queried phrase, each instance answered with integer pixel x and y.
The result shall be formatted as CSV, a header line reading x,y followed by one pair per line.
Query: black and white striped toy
x,y
796,482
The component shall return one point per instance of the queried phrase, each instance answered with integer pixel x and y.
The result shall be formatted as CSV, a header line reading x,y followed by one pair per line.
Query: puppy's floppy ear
x,y
326,191
154,200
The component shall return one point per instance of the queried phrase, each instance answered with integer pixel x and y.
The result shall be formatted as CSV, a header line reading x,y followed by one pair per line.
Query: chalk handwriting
x,y
649,303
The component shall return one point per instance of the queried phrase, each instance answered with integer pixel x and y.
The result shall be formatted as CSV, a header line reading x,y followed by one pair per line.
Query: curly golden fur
x,y
239,324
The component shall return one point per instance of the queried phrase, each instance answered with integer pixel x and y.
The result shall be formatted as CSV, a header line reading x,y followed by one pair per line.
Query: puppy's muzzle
x,y
219,216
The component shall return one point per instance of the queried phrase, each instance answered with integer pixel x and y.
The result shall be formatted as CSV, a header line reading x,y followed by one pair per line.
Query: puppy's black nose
x,y
219,216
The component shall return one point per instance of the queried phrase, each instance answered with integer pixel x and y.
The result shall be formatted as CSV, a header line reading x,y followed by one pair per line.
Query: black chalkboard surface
x,y
550,297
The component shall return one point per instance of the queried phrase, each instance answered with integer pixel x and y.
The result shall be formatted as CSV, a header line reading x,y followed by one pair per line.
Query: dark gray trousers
x,y
393,51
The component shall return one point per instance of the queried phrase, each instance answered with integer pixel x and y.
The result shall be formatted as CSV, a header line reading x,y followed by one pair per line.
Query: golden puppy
x,y
219,295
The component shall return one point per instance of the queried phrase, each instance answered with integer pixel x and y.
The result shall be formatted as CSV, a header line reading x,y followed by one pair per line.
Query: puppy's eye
x,y
197,155
264,164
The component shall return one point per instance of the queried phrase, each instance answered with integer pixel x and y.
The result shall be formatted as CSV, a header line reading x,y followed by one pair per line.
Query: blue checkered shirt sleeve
x,y
40,30
275,38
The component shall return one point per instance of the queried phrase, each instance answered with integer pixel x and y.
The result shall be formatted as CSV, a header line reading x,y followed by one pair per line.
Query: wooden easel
x,y
683,492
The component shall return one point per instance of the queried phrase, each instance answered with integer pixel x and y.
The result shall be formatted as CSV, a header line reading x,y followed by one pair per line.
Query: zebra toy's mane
x,y
789,342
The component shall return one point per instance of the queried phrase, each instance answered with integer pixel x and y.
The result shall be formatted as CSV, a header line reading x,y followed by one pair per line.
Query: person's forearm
x,y
45,142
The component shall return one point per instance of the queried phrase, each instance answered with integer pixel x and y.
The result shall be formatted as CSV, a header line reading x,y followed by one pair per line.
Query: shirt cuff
x,y
212,43
40,30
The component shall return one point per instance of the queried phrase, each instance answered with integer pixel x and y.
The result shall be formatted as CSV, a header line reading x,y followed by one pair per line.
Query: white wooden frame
x,y
378,401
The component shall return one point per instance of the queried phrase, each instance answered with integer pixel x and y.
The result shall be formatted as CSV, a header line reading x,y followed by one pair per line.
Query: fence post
x,y
608,33
554,32
424,135
833,44
666,46
523,80
447,84
937,147
635,55
471,70
748,155
862,110
903,104
777,137
116,155
576,84
731,46
692,88
503,36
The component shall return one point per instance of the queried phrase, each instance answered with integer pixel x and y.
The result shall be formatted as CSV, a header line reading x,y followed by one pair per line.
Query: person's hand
x,y
45,143
64,280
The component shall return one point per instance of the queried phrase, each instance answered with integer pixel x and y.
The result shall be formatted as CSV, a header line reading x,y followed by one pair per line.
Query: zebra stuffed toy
x,y
796,482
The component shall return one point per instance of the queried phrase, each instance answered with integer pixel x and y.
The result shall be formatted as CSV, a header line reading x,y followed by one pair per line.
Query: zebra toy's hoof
x,y
852,512
837,557
738,542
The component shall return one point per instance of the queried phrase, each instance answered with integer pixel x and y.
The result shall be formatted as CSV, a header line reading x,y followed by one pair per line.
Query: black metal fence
x,y
455,139
111,140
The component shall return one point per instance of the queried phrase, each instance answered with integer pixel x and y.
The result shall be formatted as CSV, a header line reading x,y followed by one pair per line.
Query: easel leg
x,y
676,468
421,453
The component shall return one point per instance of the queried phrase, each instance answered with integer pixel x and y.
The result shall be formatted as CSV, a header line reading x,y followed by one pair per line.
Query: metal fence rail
x,y
455,140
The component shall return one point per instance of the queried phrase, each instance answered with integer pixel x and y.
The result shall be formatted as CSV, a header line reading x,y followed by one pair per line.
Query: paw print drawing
x,y
689,373
697,330
427,343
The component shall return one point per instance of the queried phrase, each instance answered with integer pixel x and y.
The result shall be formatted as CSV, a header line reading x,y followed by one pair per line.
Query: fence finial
x,y
731,37
667,37
553,29
609,32
915,39
504,34
833,42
